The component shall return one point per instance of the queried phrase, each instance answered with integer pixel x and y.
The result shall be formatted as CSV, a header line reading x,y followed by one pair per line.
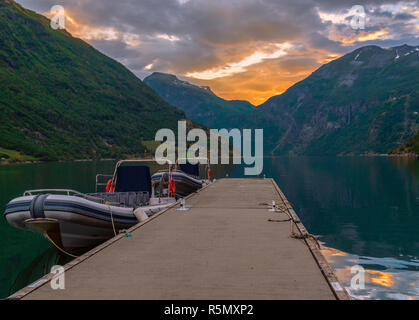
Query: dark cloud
x,y
196,35
335,5
403,16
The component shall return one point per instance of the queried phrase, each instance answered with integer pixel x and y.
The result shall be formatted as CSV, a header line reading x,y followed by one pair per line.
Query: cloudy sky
x,y
242,49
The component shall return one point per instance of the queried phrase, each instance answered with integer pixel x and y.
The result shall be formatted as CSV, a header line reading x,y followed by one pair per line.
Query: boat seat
x,y
133,199
125,199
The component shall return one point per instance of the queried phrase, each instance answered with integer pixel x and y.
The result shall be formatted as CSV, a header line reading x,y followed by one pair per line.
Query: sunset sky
x,y
243,49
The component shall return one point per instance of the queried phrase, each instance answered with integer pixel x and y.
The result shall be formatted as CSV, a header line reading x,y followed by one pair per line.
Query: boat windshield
x,y
191,169
133,178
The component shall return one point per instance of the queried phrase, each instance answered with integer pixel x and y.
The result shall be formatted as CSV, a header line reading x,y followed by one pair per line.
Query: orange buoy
x,y
110,186
172,186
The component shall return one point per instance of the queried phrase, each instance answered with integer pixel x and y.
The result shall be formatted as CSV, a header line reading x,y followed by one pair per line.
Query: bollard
x,y
272,208
183,206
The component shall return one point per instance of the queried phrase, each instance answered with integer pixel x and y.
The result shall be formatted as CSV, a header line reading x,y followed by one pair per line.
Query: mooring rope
x,y
285,209
58,247
72,255
161,184
113,224
276,220
278,208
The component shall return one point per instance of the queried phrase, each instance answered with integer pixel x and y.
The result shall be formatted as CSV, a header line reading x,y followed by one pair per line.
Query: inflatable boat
x,y
181,181
74,221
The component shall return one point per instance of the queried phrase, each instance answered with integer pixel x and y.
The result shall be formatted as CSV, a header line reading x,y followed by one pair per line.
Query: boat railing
x,y
98,177
68,192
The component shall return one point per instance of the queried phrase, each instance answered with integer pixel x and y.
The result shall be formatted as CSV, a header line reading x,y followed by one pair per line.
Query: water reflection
x,y
40,266
385,278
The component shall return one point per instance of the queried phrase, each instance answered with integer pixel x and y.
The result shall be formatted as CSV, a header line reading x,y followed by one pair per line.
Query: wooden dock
x,y
228,245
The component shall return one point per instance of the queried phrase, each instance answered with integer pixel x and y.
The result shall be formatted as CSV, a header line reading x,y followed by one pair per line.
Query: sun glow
x,y
167,37
240,66
148,67
372,36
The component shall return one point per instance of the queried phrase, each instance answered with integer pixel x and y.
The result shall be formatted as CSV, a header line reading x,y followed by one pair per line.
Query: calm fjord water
x,y
365,210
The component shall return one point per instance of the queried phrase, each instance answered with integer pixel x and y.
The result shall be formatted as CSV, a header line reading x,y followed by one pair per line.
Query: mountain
x,y
199,103
364,102
62,99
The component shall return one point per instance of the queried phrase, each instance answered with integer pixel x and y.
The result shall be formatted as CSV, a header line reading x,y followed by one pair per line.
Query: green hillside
x,y
199,103
62,99
364,102
411,146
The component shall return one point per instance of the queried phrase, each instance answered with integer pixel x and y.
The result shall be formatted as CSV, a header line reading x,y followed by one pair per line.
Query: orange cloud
x,y
268,78
253,72
254,86
240,66
372,36
88,32
349,37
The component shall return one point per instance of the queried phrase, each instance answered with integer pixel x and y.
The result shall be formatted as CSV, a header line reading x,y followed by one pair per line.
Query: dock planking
x,y
223,247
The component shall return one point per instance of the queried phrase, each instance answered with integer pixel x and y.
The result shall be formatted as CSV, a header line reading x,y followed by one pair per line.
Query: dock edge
x,y
335,285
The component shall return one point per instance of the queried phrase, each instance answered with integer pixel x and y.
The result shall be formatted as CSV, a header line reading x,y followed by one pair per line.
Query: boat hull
x,y
185,184
81,223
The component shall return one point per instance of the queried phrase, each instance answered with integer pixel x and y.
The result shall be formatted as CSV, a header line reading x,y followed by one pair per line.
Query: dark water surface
x,y
365,210
26,256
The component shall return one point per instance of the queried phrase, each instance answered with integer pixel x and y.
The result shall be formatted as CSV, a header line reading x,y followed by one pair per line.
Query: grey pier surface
x,y
223,247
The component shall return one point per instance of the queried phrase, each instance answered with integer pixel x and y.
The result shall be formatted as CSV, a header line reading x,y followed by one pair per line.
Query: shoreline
x,y
402,155
2,163
5,162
